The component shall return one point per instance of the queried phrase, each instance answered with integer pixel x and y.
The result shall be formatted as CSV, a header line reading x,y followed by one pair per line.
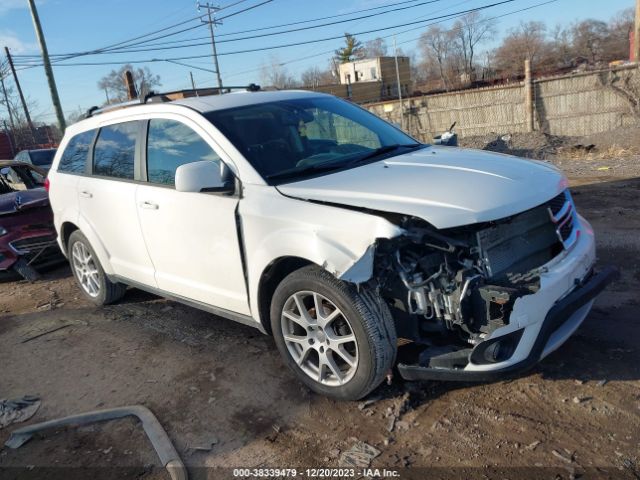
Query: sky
x,y
83,25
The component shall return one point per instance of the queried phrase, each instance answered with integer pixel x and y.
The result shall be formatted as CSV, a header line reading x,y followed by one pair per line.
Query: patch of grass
x,y
578,152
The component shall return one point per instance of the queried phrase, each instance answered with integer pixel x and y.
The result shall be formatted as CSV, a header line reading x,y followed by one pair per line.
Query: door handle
x,y
149,205
86,194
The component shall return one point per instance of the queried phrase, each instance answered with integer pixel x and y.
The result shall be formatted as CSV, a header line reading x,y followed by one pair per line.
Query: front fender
x,y
339,240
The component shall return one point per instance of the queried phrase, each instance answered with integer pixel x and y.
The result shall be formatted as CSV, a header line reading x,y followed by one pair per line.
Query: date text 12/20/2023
x,y
315,473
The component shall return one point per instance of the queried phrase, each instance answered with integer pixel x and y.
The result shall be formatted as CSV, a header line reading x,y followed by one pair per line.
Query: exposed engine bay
x,y
462,283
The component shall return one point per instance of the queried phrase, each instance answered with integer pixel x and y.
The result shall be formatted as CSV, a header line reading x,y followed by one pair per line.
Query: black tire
x,y
109,292
368,317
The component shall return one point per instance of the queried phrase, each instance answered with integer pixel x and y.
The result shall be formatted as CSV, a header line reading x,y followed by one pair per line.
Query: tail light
x,y
47,184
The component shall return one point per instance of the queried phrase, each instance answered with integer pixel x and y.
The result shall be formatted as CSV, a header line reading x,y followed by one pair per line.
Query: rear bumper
x,y
559,323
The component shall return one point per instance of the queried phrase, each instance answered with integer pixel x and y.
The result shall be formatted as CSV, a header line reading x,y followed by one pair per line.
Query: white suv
x,y
313,220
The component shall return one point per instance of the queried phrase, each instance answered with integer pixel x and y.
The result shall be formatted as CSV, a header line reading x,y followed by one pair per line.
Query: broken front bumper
x,y
539,323
561,321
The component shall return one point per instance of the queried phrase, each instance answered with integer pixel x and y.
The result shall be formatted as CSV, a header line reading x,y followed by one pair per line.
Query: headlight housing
x,y
3,231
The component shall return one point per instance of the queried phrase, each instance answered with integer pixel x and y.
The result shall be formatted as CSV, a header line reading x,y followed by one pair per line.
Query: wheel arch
x,y
66,229
271,277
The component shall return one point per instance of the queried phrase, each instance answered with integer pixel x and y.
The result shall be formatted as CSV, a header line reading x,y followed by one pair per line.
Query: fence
x,y
577,104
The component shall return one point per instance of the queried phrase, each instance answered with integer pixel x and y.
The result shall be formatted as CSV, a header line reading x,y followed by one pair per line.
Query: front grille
x,y
528,240
563,213
27,245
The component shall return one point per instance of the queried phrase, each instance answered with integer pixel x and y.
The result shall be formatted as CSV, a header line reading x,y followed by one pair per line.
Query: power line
x,y
299,59
307,42
246,9
191,66
232,4
317,19
263,28
452,16
189,45
122,47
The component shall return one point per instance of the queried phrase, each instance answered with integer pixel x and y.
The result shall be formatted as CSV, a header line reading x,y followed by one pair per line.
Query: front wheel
x,y
340,341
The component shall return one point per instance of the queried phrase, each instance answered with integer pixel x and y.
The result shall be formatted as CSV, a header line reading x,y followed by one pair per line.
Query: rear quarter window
x,y
114,153
74,157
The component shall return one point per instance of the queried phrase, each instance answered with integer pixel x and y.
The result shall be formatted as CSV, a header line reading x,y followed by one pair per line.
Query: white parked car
x,y
315,221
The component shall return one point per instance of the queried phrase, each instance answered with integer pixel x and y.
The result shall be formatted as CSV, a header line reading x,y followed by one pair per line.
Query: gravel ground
x,y
226,400
603,156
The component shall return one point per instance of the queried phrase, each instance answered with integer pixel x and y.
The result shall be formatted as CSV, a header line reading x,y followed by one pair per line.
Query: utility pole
x,y
395,54
6,102
636,34
528,96
47,67
24,103
193,84
9,134
132,93
212,23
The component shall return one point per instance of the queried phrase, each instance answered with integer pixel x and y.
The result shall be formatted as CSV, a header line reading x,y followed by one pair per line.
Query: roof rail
x,y
107,108
153,97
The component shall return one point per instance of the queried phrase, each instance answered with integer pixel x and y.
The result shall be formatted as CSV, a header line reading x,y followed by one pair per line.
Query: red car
x,y
27,236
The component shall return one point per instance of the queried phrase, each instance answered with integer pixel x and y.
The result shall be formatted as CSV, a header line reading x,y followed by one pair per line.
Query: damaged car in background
x,y
358,248
27,235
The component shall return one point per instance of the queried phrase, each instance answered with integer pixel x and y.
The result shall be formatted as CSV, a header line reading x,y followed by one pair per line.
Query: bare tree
x,y
589,39
620,26
562,54
114,84
375,48
470,31
315,76
276,75
436,45
528,41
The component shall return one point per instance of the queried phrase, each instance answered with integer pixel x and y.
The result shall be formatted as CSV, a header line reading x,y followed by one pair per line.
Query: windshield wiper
x,y
296,172
382,151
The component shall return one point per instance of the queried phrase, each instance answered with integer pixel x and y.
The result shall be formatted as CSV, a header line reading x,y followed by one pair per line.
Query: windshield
x,y
42,158
292,139
18,178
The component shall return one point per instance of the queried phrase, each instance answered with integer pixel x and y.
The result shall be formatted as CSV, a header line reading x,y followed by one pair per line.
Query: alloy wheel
x,y
319,338
86,269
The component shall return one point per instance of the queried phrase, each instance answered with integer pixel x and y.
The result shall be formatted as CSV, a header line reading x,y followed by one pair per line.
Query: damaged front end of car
x,y
452,292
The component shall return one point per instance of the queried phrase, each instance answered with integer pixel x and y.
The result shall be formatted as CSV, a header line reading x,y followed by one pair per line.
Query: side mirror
x,y
204,176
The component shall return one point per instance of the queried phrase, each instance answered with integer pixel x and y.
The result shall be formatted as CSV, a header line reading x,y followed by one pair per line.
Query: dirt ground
x,y
221,392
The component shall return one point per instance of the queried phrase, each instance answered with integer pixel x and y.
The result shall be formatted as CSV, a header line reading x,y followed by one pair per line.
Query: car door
x,y
192,237
107,199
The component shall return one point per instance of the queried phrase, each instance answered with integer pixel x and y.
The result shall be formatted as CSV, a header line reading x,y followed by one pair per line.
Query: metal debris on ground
x,y
368,403
532,446
205,446
565,458
359,455
155,433
18,409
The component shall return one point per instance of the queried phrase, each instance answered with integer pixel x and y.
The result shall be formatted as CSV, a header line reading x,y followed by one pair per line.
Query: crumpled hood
x,y
447,187
22,200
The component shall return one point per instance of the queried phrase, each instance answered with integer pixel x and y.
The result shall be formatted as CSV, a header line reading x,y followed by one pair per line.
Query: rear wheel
x,y
88,272
340,341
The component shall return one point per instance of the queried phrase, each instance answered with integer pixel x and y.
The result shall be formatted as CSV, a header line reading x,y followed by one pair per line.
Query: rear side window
x,y
114,153
171,144
42,158
74,157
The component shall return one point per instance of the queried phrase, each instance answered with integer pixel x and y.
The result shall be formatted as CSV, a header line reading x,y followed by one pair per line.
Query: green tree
x,y
352,50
